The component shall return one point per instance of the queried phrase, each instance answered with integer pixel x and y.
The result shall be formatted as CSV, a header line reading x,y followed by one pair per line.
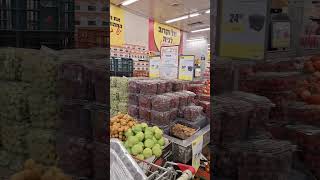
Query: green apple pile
x,y
144,141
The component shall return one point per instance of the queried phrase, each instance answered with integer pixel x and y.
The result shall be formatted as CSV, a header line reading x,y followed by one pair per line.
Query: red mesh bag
x,y
133,99
174,100
144,114
191,96
168,86
173,114
160,103
162,87
149,87
205,105
183,99
193,113
133,111
145,101
196,88
204,97
160,118
133,86
177,85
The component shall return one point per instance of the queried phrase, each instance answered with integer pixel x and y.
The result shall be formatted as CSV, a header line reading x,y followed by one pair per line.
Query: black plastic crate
x,y
121,67
32,23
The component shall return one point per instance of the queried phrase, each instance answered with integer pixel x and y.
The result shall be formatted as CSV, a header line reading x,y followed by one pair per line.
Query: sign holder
x,y
188,62
169,62
219,32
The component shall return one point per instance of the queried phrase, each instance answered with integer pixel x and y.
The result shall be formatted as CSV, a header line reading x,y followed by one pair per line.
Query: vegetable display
x,y
120,124
182,131
144,142
33,171
309,89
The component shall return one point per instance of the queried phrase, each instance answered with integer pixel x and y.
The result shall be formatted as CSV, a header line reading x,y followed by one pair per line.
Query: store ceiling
x,y
163,10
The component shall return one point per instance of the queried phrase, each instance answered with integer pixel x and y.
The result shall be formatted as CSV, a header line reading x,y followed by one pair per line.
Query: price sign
x,y
169,62
186,68
154,64
197,145
243,29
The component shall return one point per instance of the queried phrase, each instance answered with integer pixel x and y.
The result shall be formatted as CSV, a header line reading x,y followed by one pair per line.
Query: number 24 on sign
x,y
235,18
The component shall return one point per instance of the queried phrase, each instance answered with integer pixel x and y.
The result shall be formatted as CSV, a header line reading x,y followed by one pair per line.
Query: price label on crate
x,y
196,152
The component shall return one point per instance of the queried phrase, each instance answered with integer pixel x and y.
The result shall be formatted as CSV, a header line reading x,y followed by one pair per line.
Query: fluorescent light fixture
x,y
208,11
195,39
194,14
201,30
177,19
128,2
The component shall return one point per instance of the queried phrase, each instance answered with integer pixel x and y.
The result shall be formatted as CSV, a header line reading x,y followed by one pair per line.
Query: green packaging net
x,y
123,108
44,111
41,146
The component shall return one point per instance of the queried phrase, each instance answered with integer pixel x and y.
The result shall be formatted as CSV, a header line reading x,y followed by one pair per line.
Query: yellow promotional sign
x,y
154,63
186,68
116,26
166,35
196,152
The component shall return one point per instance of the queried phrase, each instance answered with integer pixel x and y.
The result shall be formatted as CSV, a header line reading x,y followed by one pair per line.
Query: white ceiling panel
x,y
163,10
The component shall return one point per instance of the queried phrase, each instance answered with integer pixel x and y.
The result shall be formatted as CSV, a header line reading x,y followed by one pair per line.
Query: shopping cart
x,y
124,166
170,170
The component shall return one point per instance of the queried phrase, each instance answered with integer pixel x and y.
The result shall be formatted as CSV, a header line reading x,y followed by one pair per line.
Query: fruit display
x,y
119,95
157,104
308,90
182,131
144,142
119,124
206,89
34,171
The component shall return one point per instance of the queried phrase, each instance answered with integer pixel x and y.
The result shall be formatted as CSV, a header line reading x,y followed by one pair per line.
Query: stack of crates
x,y
32,23
121,67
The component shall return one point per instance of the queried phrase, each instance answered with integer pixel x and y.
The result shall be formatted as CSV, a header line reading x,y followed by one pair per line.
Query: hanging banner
x,y
169,62
186,68
116,26
196,152
154,63
242,29
163,35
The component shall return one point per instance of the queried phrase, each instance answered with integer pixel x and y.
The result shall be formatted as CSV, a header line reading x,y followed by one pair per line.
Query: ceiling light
x,y
200,30
128,2
208,11
195,39
194,14
177,19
